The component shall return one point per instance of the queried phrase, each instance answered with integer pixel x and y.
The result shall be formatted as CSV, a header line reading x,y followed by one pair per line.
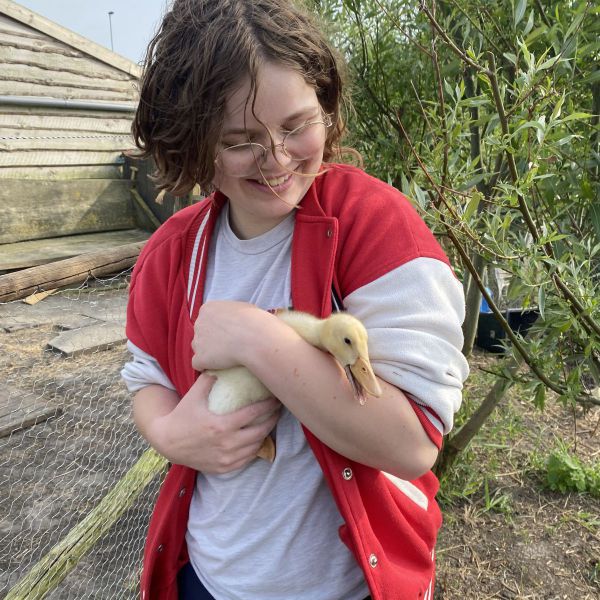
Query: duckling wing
x,y
235,388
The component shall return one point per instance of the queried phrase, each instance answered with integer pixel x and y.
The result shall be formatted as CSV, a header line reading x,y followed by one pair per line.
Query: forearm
x,y
385,433
150,404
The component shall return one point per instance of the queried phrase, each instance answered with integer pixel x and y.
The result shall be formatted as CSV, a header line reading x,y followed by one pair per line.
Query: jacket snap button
x,y
160,548
347,473
329,233
373,560
182,492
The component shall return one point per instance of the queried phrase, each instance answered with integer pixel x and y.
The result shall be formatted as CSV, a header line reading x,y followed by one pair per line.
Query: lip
x,y
282,187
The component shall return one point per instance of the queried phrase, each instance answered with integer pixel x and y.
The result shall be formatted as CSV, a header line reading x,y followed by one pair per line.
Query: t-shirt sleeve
x,y
143,370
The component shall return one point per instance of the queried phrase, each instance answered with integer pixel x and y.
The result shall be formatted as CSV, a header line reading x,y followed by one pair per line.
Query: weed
x,y
564,472
496,502
589,521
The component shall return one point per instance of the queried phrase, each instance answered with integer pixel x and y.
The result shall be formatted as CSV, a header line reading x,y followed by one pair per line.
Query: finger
x,y
244,455
233,466
247,414
255,434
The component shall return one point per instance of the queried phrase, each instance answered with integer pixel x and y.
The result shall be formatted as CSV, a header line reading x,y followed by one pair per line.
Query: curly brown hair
x,y
202,51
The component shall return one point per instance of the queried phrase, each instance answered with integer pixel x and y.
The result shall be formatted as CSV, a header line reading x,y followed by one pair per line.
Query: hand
x,y
222,331
193,436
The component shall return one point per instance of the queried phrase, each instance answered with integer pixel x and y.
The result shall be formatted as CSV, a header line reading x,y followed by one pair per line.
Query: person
x,y
245,98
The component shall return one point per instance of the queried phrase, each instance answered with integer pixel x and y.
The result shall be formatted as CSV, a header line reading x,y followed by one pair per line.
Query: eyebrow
x,y
299,113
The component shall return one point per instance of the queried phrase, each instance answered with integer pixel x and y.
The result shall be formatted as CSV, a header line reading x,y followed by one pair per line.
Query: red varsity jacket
x,y
350,230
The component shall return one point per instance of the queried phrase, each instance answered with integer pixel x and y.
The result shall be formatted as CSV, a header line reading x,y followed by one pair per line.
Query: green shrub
x,y
566,473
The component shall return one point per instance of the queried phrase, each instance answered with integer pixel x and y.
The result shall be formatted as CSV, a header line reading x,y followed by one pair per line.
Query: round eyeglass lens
x,y
299,144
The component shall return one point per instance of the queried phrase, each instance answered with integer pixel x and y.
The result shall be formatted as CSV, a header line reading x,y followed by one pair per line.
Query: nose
x,y
275,154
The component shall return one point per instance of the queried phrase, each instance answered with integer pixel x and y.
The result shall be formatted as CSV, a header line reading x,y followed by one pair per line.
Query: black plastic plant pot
x,y
490,333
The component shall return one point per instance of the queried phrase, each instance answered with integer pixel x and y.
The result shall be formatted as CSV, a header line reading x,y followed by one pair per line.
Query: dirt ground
x,y
519,539
504,534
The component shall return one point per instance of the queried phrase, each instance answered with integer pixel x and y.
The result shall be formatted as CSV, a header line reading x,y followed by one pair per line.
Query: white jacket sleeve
x,y
413,315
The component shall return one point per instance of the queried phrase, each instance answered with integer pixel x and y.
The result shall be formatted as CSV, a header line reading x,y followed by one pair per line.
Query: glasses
x,y
300,143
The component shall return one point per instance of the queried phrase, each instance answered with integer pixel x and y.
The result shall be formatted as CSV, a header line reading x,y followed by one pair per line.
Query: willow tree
x,y
486,114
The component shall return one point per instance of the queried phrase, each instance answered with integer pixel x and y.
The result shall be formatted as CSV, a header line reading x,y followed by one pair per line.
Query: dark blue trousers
x,y
190,587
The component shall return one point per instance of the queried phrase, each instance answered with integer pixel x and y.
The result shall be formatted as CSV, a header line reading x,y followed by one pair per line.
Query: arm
x,y
385,434
186,432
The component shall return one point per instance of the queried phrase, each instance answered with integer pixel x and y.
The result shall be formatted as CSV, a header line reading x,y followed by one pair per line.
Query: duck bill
x,y
362,377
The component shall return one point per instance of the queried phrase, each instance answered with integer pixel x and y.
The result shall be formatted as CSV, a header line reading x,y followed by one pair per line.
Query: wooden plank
x,y
86,66
65,140
41,209
62,173
14,286
20,409
21,255
39,23
35,44
23,88
11,26
145,208
38,297
35,75
55,158
90,339
46,122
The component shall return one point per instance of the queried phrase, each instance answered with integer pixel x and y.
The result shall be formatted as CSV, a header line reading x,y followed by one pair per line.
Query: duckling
x,y
340,334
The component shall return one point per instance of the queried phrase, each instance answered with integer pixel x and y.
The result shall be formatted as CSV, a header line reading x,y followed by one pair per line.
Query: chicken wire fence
x,y
67,438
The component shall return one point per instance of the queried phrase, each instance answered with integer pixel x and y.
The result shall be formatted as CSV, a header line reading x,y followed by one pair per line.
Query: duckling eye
x,y
348,341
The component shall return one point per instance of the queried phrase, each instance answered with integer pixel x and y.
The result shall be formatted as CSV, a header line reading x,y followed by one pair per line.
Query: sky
x,y
133,22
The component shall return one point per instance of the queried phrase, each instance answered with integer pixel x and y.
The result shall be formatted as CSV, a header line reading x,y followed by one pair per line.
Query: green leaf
x,y
405,185
526,54
531,124
549,63
448,88
472,205
539,399
520,11
574,25
576,117
540,132
420,196
471,183
595,217
529,25
542,300
557,108
536,33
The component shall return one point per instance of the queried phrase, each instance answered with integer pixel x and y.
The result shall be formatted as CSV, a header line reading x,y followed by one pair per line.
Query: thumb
x,y
200,389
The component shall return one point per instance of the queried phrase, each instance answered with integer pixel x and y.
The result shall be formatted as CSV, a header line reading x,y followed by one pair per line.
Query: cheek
x,y
217,180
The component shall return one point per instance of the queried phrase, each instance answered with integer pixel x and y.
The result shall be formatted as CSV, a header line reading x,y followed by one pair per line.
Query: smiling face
x,y
265,196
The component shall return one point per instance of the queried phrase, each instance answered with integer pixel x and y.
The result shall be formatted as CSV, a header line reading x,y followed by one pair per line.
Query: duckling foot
x,y
267,450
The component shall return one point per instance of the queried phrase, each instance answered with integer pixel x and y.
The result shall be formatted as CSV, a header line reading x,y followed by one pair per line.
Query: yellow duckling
x,y
340,334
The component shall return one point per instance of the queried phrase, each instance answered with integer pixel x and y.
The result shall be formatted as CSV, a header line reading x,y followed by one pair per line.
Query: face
x,y
272,187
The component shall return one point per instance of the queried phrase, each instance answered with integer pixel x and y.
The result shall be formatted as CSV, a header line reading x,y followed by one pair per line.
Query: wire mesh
x,y
66,437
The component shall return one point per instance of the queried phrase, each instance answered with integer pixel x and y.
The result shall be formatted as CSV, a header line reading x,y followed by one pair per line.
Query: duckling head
x,y
345,338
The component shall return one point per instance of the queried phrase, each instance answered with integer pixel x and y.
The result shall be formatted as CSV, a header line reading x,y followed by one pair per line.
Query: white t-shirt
x,y
268,531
